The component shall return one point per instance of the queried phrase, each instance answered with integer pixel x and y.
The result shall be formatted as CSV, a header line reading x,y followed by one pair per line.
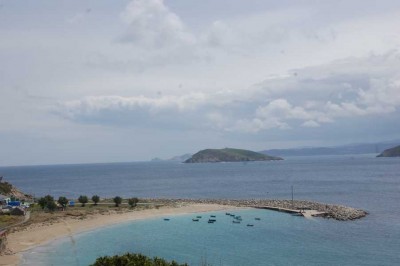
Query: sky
x,y
110,81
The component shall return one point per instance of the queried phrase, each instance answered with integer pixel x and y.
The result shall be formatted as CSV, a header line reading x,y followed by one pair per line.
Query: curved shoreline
x,y
39,234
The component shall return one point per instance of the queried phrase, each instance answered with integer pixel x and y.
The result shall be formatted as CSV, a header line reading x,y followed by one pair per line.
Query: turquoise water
x,y
277,239
365,182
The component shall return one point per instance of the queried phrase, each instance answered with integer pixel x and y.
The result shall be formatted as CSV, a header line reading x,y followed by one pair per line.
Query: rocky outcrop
x,y
9,190
393,152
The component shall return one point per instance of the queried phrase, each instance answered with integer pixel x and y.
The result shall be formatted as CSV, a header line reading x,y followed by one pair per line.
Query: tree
x,y
63,201
83,200
117,200
133,202
48,198
42,202
47,202
95,199
51,206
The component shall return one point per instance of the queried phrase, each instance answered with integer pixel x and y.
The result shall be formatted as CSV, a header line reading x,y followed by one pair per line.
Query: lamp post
x,y
292,198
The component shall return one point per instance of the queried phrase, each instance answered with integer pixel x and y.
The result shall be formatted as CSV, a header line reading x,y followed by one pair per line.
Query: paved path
x,y
311,213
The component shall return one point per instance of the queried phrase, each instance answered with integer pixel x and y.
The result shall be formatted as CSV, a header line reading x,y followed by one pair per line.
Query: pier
x,y
304,213
300,207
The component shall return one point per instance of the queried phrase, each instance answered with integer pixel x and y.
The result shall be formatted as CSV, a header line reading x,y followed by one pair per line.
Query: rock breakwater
x,y
337,212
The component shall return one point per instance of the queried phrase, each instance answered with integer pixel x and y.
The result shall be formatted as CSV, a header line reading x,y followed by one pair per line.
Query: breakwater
x,y
337,212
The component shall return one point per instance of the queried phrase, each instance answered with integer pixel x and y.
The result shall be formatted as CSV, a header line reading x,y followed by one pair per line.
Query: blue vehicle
x,y
14,203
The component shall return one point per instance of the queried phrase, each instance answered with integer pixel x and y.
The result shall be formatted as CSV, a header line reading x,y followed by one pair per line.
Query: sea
x,y
360,181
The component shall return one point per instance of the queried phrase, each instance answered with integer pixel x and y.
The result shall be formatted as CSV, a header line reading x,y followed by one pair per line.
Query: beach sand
x,y
39,234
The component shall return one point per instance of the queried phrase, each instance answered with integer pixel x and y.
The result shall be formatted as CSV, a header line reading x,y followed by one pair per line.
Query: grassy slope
x,y
5,188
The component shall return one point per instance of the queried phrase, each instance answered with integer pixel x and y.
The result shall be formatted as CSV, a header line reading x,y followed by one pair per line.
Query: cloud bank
x,y
309,97
128,77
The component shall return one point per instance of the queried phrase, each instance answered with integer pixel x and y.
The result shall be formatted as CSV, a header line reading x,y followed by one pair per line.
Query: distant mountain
x,y
338,150
392,152
228,155
180,158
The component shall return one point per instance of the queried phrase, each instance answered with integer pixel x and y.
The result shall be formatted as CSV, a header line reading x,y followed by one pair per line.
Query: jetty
x,y
304,213
298,207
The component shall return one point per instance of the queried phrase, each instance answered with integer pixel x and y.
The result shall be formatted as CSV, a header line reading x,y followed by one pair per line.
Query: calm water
x,y
278,239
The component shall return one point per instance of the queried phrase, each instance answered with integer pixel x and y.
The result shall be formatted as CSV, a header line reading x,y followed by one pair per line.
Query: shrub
x,y
134,260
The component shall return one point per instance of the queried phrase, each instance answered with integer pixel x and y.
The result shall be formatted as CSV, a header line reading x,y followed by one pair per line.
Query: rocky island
x,y
392,152
229,155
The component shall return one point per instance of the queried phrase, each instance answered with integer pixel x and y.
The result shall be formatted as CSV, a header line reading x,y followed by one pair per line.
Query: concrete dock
x,y
305,213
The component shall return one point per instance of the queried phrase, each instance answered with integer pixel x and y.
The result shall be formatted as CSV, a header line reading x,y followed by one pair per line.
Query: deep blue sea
x,y
362,181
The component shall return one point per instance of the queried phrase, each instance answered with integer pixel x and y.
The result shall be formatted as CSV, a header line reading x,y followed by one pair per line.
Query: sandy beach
x,y
39,234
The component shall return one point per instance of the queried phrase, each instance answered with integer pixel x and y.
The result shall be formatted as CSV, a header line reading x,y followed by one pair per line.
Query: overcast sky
x,y
108,81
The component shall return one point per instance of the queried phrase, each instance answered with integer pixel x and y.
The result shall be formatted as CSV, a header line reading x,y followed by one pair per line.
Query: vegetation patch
x,y
229,155
6,220
130,259
5,188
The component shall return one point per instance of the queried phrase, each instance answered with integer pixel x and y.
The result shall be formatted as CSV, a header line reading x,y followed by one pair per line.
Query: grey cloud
x,y
314,97
310,123
78,17
345,89
152,25
142,62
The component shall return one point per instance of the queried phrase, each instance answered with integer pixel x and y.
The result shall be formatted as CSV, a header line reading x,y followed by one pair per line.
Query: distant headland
x,y
392,152
229,155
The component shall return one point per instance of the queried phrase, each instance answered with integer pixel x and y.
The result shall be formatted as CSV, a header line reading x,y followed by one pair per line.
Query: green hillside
x,y
229,155
392,152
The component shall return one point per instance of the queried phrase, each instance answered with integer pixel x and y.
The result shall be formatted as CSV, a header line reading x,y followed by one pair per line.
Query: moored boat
x,y
238,218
